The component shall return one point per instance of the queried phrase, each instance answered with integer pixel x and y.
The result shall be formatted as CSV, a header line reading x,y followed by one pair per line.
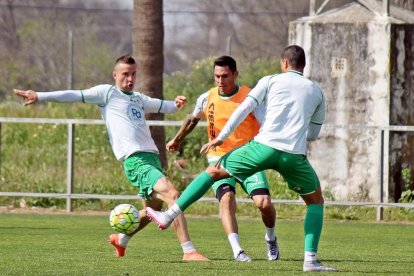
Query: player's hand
x,y
29,96
210,145
180,101
172,146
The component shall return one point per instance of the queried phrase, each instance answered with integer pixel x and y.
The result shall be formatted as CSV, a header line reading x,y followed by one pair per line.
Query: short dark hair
x,y
125,59
226,61
295,56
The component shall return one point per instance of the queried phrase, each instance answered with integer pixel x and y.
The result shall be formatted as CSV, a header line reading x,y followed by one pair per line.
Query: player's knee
x,y
263,202
314,198
261,198
216,173
173,194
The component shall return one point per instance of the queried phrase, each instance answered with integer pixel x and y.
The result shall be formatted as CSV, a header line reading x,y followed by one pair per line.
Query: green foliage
x,y
407,196
406,176
251,72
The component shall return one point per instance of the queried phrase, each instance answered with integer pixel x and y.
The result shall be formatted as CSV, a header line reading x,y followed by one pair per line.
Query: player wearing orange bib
x,y
216,106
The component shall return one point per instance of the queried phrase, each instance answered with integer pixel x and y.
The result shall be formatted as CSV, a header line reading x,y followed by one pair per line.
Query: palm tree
x,y
148,40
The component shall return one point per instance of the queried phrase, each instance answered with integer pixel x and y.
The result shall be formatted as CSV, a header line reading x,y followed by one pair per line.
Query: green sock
x,y
197,188
313,226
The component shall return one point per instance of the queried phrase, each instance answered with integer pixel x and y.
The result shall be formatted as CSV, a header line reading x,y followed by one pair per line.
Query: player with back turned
x,y
294,110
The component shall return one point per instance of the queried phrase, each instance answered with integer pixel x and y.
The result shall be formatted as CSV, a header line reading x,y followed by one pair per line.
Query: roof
x,y
361,12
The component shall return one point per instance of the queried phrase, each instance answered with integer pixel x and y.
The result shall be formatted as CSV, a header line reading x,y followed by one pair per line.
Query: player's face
x,y
125,75
225,79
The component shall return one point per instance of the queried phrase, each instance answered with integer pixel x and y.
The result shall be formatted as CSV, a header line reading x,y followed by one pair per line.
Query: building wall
x,y
347,60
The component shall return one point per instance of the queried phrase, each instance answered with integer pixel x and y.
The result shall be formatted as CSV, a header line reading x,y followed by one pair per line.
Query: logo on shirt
x,y
210,118
135,110
135,114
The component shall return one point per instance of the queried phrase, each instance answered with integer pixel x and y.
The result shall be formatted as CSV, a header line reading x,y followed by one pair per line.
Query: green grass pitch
x,y
67,244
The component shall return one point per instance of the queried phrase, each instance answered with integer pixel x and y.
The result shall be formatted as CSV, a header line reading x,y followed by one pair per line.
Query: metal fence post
x,y
0,147
380,209
70,158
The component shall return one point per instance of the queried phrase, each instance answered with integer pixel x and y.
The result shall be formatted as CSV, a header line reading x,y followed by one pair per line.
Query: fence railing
x,y
69,195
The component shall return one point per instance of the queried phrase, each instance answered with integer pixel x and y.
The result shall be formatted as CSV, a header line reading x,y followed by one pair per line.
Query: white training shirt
x,y
290,102
123,113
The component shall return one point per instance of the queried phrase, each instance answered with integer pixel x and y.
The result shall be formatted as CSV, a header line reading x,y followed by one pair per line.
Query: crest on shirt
x,y
135,99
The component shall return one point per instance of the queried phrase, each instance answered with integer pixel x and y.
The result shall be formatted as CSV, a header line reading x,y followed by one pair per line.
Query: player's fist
x,y
172,146
180,101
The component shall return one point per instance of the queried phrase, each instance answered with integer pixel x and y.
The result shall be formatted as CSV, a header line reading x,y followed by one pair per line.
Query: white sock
x,y
174,211
234,242
188,247
123,240
310,256
270,234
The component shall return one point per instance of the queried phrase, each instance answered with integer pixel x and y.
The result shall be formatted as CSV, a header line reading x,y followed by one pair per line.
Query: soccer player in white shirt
x,y
294,110
123,111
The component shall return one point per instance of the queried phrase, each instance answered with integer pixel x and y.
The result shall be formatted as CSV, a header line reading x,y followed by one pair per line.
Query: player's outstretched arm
x,y
29,96
189,124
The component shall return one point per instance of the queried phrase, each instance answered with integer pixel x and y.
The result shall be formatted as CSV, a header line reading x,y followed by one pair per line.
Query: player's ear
x,y
284,64
236,74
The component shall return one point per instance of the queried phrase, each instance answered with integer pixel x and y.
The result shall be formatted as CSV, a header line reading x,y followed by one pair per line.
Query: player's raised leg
x,y
194,191
165,191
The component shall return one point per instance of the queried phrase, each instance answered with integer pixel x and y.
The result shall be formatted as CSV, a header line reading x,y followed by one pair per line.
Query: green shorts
x,y
254,182
143,170
254,157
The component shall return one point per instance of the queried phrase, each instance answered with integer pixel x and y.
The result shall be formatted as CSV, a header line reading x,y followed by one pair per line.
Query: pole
x,y
70,158
229,45
380,209
70,62
312,7
386,7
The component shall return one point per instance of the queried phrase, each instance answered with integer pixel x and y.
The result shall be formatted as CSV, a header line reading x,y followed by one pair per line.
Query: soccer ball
x,y
124,218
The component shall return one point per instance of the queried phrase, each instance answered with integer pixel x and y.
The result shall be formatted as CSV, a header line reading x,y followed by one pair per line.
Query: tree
x,y
148,40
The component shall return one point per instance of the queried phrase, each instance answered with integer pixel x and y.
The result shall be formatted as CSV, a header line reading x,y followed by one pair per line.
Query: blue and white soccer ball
x,y
124,218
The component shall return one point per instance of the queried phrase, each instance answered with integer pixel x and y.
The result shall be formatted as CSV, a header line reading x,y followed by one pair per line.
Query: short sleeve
x,y
96,95
200,107
151,105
